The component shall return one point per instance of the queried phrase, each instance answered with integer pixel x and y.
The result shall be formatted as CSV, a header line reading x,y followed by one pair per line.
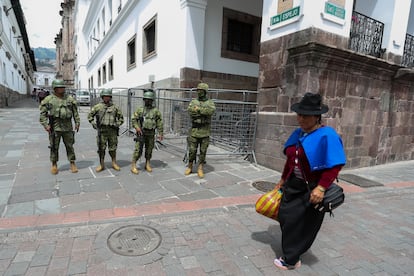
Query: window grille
x,y
366,35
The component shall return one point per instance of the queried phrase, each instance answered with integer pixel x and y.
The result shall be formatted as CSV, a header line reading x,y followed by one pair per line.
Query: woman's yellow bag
x,y
269,203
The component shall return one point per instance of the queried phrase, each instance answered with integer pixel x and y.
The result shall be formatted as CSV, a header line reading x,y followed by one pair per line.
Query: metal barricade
x,y
233,126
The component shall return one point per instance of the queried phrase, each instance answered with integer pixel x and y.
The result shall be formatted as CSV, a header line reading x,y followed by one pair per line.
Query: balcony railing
x,y
408,56
366,35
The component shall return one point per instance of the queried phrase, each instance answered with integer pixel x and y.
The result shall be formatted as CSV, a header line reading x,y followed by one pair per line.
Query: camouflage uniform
x,y
200,111
61,110
108,118
147,119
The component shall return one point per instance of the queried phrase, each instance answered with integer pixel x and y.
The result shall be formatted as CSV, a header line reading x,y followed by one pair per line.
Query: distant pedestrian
x,y
42,95
33,94
146,120
200,111
314,153
56,114
106,117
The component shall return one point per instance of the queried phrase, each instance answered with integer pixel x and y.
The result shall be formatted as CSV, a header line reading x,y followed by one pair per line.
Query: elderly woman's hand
x,y
280,183
317,195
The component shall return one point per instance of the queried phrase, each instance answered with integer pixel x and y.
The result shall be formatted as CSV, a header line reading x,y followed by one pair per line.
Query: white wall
x,y
169,46
41,77
9,72
214,18
176,44
80,43
410,28
312,12
393,13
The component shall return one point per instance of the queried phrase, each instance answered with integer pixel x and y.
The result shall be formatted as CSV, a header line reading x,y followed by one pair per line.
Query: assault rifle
x,y
185,159
98,129
139,136
52,134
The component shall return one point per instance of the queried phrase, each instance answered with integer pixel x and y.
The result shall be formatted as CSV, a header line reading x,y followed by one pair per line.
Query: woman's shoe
x,y
280,263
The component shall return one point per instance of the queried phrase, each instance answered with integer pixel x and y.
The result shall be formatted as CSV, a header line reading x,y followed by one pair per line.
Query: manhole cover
x,y
134,240
264,186
359,181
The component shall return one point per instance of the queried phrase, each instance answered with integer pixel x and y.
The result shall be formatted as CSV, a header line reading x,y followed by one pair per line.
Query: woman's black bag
x,y
334,197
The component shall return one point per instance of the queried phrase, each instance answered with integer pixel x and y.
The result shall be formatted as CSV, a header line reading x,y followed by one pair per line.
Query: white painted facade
x,y
397,16
188,35
43,78
80,46
13,55
314,18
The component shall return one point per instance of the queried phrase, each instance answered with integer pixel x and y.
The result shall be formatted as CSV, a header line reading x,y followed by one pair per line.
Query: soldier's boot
x,y
101,166
54,168
134,168
189,168
200,171
114,164
73,167
148,166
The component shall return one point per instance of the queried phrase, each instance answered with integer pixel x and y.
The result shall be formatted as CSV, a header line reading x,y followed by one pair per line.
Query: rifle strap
x,y
100,118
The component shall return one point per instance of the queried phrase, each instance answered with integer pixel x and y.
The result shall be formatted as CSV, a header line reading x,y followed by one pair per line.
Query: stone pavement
x,y
75,224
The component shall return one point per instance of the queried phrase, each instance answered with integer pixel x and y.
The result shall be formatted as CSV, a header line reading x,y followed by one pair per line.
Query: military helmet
x,y
202,86
149,94
106,92
58,83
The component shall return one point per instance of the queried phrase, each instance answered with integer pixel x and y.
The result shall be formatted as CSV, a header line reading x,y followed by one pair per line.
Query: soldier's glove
x,y
94,125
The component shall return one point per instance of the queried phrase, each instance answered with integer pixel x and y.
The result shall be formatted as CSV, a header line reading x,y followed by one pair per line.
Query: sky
x,y
42,21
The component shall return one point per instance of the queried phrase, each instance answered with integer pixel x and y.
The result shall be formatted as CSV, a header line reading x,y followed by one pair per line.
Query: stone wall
x,y
371,100
8,96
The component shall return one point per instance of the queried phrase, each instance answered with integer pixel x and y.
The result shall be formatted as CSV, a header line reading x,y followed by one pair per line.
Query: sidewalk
x,y
62,225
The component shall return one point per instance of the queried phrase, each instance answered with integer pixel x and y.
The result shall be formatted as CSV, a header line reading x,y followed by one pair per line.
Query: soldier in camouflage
x,y
106,117
146,120
200,111
56,113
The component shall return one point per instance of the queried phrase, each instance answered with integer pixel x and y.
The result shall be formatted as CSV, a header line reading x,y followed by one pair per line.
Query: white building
x,y
174,43
43,77
16,58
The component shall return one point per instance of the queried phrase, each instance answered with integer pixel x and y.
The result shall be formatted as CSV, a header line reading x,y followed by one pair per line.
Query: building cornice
x,y
22,26
201,4
93,12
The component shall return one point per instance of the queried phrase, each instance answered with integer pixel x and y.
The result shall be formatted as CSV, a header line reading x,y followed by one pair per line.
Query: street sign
x,y
334,10
285,16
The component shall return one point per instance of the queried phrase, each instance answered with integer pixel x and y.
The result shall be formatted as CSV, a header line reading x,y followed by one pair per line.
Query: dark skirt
x,y
299,221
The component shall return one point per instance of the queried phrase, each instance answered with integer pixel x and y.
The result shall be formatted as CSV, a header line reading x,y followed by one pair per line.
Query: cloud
x,y
43,21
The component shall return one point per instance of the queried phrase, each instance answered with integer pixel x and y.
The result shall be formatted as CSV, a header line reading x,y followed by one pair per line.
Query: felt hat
x,y
310,104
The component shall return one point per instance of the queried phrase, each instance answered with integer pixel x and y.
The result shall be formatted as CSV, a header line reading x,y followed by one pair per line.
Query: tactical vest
x,y
61,108
149,118
107,115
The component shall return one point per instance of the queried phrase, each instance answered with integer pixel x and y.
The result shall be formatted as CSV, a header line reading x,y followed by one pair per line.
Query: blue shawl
x,y
323,147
